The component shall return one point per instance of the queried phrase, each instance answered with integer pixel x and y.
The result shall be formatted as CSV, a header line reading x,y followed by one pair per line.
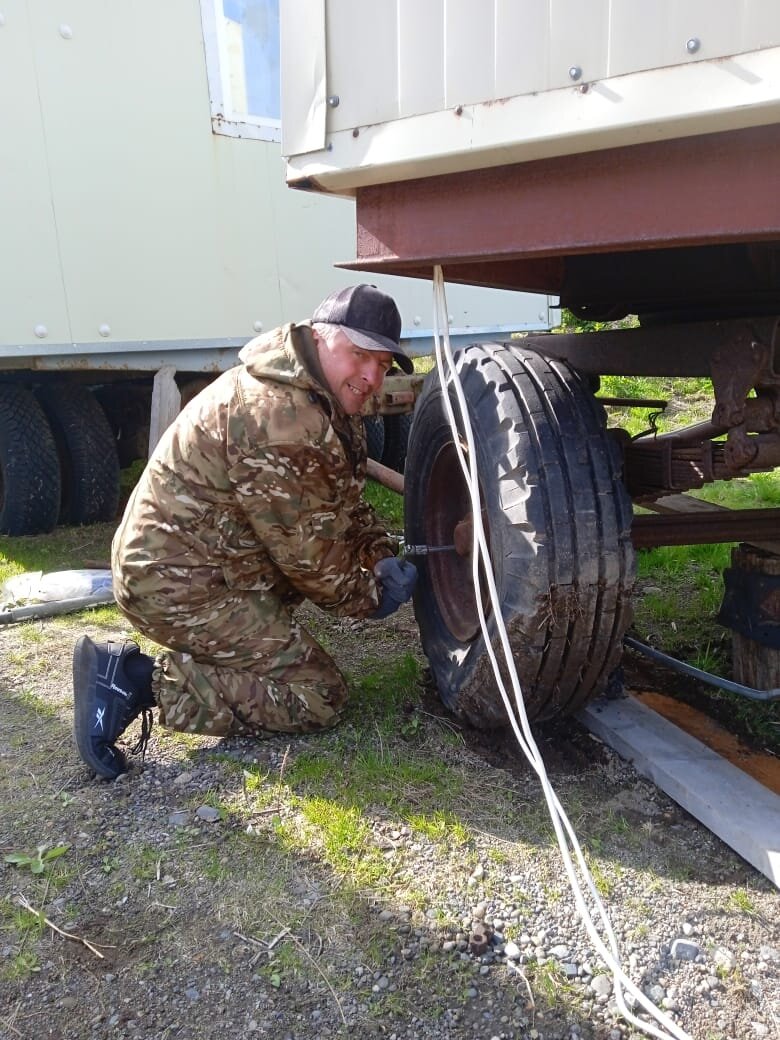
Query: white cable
x,y
450,379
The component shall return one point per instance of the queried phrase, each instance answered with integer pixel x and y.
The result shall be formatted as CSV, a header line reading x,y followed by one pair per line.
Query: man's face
x,y
352,374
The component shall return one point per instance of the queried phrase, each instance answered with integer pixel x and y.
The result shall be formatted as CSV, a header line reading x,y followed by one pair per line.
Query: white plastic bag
x,y
37,587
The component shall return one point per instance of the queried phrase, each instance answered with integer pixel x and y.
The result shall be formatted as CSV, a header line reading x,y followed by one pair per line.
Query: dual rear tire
x,y
58,459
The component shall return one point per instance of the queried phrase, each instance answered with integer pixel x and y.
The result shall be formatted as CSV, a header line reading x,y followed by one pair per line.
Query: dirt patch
x,y
332,885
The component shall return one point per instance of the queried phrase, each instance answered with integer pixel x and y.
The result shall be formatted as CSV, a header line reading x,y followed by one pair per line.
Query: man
x,y
250,504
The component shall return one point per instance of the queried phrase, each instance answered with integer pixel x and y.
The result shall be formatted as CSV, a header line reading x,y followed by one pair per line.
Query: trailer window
x,y
242,57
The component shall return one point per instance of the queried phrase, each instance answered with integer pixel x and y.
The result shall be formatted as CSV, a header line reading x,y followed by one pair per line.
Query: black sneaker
x,y
105,703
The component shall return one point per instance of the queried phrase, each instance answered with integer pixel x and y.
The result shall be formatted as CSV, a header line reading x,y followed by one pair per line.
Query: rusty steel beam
x,y
648,196
680,349
743,525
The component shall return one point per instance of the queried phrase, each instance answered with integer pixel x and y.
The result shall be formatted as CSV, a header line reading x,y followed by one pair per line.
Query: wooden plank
x,y
166,402
739,810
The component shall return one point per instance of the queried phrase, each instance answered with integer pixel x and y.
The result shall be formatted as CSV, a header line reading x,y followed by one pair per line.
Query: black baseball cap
x,y
367,317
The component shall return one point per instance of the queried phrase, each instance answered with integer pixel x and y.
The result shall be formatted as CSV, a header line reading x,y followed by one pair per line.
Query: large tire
x,y
88,456
558,520
375,436
397,429
29,467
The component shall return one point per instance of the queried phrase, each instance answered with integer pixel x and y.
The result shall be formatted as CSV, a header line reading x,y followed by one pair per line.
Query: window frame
x,y
223,120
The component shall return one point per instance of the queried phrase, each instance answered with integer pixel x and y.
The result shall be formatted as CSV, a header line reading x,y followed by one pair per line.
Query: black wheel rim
x,y
450,574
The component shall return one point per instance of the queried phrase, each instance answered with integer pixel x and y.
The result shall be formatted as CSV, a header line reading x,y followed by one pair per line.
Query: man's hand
x,y
397,579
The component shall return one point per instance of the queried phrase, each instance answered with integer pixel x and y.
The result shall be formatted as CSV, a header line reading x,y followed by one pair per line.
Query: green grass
x,y
66,548
389,506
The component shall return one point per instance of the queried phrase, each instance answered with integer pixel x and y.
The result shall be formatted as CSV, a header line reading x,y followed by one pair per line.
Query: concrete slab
x,y
738,809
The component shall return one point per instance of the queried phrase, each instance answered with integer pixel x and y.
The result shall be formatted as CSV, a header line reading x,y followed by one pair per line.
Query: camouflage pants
x,y
241,666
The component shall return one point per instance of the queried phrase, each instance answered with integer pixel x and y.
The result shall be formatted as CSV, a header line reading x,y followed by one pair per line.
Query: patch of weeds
x,y
389,505
548,982
31,633
382,694
709,658
32,701
213,867
145,860
23,926
20,965
741,901
439,826
369,775
346,840
64,548
36,862
604,884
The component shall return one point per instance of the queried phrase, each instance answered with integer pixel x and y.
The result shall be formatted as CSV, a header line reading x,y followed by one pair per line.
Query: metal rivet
x,y
66,32
334,100
459,110
41,331
692,45
105,330
257,326
417,319
329,146
356,132
575,72
450,319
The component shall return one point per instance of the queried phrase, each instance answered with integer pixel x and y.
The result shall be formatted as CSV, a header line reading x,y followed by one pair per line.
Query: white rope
x,y
564,832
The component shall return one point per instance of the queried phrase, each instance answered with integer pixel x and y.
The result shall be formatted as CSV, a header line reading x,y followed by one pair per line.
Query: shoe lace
x,y
147,721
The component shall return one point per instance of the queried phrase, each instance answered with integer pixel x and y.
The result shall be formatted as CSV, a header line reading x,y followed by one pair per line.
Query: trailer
x,y
148,234
622,157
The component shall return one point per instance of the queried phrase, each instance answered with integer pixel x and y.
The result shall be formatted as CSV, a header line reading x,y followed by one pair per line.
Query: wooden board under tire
x,y
742,812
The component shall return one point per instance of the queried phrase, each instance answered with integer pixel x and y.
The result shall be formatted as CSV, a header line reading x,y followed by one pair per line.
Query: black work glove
x,y
397,579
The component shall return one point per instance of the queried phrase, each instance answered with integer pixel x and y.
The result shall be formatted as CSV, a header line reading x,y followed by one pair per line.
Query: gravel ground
x,y
198,899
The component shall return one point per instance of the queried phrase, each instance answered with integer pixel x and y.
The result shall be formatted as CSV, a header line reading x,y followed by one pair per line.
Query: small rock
x,y
182,779
192,993
208,814
724,958
601,985
656,994
684,950
559,952
179,818
512,951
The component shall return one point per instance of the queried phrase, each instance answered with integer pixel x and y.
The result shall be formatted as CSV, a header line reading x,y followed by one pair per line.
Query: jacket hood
x,y
286,355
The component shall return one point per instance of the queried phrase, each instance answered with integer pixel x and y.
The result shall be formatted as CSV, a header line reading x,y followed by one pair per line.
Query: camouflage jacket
x,y
256,485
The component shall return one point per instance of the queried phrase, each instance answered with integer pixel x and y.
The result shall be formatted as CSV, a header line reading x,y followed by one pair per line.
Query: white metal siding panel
x,y
522,46
421,56
759,24
31,288
578,38
469,35
644,36
362,68
303,85
648,36
129,151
